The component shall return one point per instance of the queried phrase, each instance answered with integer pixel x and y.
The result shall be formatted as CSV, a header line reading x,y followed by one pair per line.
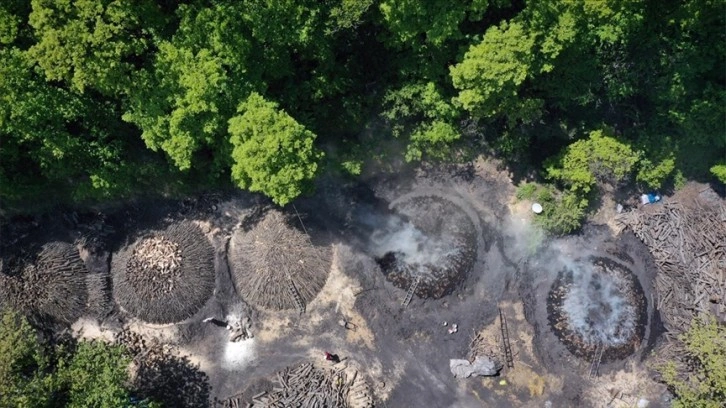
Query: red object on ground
x,y
332,357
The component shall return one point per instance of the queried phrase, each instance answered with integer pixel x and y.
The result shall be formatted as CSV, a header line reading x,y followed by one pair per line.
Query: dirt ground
x,y
403,352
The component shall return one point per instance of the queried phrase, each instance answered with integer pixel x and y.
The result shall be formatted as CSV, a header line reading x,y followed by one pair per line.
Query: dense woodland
x,y
109,99
113,99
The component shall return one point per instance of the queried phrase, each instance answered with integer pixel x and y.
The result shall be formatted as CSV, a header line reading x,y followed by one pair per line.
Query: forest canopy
x,y
108,99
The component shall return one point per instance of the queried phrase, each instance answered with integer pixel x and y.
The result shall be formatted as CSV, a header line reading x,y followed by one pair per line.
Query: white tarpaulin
x,y
482,366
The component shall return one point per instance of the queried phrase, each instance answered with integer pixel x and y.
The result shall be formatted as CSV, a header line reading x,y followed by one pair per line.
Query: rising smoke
x,y
411,245
596,305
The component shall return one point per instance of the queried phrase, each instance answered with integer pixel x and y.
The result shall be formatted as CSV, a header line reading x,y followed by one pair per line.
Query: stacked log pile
x,y
167,275
49,285
155,266
308,386
485,345
688,242
276,266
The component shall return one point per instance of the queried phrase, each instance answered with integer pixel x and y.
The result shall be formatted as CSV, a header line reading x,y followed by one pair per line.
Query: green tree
x,y
562,212
599,158
24,365
52,139
272,153
87,374
719,171
437,21
181,106
91,43
704,386
419,114
347,14
490,77
654,173
96,375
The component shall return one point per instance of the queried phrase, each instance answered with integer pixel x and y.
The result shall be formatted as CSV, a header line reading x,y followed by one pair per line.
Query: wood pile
x,y
309,386
276,266
485,345
688,242
167,275
48,285
155,264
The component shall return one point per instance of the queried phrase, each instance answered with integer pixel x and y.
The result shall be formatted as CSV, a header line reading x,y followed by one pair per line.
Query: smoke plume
x,y
391,233
596,305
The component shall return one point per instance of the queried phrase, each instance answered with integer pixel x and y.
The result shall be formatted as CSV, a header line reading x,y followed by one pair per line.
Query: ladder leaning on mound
x,y
411,290
295,295
596,359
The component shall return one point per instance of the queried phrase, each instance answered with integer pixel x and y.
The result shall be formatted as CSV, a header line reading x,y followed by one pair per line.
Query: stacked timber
x,y
48,285
306,385
688,242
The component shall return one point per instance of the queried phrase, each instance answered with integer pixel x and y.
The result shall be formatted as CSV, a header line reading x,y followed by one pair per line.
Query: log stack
x,y
276,266
49,285
687,239
306,385
165,276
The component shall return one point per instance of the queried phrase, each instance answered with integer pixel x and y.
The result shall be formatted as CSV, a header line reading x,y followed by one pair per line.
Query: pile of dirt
x,y
611,323
449,231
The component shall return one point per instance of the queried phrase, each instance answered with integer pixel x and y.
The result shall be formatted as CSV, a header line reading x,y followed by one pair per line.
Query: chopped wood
x,y
306,385
687,239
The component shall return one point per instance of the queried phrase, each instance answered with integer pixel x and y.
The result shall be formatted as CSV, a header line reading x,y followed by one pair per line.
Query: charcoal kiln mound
x,y
276,266
49,286
166,275
434,247
597,307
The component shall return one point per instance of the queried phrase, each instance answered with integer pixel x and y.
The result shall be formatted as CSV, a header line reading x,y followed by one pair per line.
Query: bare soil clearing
x,y
401,353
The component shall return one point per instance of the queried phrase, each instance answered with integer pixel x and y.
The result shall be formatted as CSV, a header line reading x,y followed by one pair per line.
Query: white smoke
x,y
596,305
238,355
393,234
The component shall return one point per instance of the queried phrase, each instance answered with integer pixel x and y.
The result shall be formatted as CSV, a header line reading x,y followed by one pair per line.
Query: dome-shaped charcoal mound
x,y
597,307
47,285
277,267
166,276
437,246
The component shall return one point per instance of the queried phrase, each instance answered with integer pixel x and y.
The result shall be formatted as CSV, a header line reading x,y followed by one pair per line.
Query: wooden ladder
x,y
596,359
508,357
296,296
411,290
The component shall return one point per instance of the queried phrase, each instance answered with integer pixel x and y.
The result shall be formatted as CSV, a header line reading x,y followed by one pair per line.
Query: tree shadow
x,y
172,380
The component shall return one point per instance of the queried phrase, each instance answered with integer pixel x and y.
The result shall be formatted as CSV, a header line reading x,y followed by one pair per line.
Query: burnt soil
x,y
403,352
